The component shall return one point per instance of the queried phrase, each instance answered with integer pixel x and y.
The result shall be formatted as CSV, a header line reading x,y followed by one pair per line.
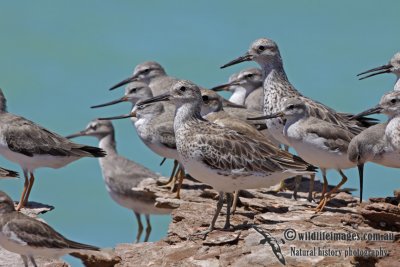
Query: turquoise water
x,y
59,58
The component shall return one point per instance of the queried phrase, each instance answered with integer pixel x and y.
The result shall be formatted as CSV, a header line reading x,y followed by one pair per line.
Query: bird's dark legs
x,y
140,227
148,228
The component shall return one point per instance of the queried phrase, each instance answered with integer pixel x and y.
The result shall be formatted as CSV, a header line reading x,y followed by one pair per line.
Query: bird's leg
x,y
297,182
140,227
228,211
217,211
28,192
235,200
328,195
25,260
311,189
325,185
171,180
181,176
148,228
33,261
26,184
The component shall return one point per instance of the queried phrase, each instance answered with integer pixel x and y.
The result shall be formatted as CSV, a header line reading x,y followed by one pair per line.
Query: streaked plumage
x,y
223,158
277,89
31,238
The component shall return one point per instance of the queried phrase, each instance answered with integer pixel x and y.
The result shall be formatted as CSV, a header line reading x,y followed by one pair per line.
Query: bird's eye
x,y
205,98
146,70
261,48
394,100
93,127
249,75
183,88
290,107
133,90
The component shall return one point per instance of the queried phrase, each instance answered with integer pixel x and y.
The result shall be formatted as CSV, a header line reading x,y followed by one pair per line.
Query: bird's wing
x,y
26,137
167,135
28,231
231,152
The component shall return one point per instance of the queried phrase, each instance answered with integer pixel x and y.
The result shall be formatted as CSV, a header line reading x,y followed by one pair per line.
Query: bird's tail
x,y
94,151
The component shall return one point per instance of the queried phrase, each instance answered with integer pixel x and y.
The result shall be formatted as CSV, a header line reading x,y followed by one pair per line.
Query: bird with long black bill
x,y
392,67
223,158
318,142
277,89
123,176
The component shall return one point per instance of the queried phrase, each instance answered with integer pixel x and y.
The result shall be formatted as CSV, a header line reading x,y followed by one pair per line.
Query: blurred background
x,y
59,58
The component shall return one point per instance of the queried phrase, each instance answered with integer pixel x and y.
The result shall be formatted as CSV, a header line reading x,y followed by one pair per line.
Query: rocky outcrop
x,y
271,229
268,229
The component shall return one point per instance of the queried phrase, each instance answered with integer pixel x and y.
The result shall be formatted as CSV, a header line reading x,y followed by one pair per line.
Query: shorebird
x,y
163,113
380,144
122,175
155,128
32,147
30,238
223,158
277,88
8,173
392,67
246,88
151,73
318,142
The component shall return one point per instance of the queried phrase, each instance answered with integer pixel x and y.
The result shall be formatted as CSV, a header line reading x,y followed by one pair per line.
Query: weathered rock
x,y
269,229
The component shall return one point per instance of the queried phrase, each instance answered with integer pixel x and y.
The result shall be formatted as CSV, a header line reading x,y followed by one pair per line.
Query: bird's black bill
x,y
361,174
159,98
224,87
122,99
266,117
81,133
227,103
126,81
130,115
377,71
374,110
246,57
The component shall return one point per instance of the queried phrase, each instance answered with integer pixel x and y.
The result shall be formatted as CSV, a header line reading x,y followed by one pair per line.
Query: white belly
x,y
389,159
231,183
37,161
316,153
18,246
162,150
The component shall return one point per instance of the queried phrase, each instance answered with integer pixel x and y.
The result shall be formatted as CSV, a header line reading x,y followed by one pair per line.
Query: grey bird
x,y
122,176
31,238
223,158
318,142
151,73
392,67
246,88
381,143
32,147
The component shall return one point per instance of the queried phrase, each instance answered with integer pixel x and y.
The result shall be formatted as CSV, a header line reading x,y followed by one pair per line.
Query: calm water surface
x,y
59,58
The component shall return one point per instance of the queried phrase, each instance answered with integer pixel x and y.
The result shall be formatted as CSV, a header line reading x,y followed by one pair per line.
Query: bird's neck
x,y
107,143
397,84
239,95
187,112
